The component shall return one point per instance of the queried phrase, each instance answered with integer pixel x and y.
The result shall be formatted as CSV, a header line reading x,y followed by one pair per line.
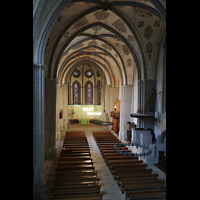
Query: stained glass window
x,y
89,73
89,94
76,73
75,94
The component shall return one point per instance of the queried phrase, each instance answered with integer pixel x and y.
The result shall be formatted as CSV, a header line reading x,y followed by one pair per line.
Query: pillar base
x,y
120,135
49,154
39,191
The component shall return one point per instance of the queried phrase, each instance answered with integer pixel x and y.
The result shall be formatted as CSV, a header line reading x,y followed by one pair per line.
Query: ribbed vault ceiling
x,y
115,35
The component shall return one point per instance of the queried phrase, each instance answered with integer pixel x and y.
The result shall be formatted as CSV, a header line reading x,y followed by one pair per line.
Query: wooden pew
x,y
67,180
111,149
76,146
85,149
128,168
106,143
110,154
77,139
70,190
76,182
132,164
107,151
71,146
79,162
75,167
110,163
132,174
135,179
121,172
158,184
75,170
79,181
119,157
157,194
76,177
68,173
139,177
62,153
76,158
76,150
93,196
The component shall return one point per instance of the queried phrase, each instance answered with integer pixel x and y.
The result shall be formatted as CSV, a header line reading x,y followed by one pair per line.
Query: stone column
x,y
107,100
111,101
149,102
60,107
146,102
65,105
114,96
140,102
83,95
102,100
125,110
53,117
57,110
38,133
69,97
50,117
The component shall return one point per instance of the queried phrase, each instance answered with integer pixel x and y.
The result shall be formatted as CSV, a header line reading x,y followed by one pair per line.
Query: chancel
x,y
99,99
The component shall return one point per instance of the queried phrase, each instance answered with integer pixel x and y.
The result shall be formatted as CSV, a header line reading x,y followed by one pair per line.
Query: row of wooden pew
x,y
135,179
76,178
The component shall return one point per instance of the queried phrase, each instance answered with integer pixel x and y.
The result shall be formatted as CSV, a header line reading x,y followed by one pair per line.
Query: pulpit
x,y
141,136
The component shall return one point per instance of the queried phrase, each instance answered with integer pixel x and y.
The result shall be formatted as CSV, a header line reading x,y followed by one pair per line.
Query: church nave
x,y
98,65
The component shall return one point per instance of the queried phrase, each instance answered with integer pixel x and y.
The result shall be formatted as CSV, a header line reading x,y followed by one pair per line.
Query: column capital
x,y
56,80
40,66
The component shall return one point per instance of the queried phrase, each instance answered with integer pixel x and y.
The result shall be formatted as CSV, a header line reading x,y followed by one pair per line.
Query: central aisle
x,y
109,186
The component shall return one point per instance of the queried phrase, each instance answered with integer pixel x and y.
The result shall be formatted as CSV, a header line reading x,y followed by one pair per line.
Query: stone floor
x,y
109,186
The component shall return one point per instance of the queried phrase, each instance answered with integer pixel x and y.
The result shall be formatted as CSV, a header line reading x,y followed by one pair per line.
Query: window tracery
x,y
89,94
75,94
